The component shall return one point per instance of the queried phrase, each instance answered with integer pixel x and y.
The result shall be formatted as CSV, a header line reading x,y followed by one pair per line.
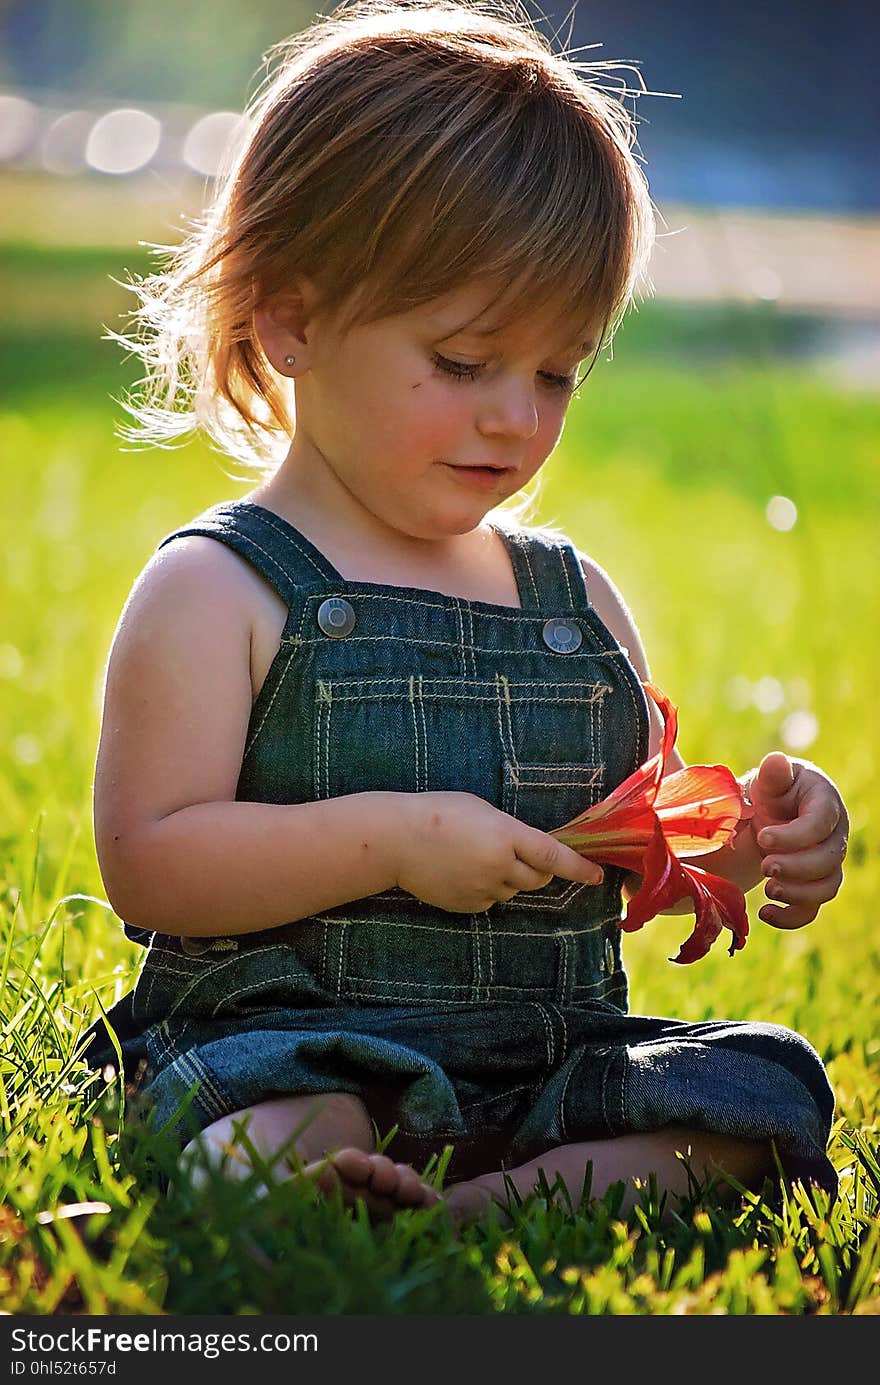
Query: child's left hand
x,y
801,826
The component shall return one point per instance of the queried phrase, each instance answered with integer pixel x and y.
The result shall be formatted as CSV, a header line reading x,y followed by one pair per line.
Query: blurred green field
x,y
670,456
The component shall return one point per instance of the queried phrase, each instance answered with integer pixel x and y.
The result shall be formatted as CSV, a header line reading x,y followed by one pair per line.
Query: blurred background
x,y
721,463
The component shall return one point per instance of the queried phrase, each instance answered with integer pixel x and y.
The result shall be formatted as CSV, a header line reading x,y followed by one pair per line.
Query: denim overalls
x,y
502,1033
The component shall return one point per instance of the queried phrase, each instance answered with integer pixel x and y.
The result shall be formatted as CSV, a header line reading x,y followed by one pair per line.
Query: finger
x,y
811,893
813,863
818,818
544,853
793,916
522,876
774,781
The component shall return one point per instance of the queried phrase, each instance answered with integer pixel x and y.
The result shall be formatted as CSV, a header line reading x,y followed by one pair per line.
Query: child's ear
x,y
283,324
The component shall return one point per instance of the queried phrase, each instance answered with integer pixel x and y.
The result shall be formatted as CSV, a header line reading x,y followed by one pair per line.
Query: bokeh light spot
x,y
781,513
27,749
799,730
768,694
11,662
214,139
63,148
765,283
18,125
123,141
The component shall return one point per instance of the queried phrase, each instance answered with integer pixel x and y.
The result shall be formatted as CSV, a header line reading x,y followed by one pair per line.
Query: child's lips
x,y
482,477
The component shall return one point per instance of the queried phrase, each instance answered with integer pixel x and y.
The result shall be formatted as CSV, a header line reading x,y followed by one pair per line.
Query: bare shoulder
x,y
177,693
200,569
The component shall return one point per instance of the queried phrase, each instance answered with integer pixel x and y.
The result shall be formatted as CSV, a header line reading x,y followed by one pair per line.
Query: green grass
x,y
668,461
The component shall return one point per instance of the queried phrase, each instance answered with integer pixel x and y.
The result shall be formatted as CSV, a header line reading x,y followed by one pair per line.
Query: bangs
x,y
563,235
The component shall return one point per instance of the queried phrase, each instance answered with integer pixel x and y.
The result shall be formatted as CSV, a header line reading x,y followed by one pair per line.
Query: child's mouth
x,y
483,477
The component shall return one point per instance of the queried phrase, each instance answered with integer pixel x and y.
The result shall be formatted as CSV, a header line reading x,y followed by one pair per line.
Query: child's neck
x,y
340,527
474,565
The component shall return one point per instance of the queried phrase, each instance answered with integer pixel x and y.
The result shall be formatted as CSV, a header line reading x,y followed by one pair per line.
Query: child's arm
x,y
177,853
798,835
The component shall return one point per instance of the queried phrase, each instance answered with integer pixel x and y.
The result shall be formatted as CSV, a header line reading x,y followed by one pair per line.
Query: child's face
x,y
381,409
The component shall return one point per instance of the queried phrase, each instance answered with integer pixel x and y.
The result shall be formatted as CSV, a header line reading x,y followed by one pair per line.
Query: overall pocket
x,y
418,734
547,796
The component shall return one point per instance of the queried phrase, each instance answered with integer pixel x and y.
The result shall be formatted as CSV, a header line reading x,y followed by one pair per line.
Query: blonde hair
x,y
398,150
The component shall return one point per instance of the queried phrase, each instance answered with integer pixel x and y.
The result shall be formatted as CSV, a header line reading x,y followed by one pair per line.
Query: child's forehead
x,y
475,313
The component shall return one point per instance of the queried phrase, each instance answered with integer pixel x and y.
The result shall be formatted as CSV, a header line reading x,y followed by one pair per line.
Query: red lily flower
x,y
650,820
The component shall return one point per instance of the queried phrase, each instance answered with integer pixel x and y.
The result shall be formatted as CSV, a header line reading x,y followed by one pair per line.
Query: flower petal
x,y
699,808
718,903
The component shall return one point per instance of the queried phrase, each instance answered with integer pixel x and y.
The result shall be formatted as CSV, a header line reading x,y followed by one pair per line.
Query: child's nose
x,y
511,408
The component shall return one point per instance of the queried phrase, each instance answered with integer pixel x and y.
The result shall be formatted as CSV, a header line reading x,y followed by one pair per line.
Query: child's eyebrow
x,y
584,347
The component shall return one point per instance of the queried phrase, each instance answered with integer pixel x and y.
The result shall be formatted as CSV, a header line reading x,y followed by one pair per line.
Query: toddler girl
x,y
343,712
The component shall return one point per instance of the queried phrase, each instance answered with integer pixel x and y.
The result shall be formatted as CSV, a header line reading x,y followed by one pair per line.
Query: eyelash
x,y
458,370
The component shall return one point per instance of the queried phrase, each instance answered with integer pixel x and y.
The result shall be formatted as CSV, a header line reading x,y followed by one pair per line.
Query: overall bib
x,y
501,1033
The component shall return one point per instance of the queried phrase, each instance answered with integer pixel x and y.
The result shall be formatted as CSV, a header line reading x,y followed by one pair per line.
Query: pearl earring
x,y
290,360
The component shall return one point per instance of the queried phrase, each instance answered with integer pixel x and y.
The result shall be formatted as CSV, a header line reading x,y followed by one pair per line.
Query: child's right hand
x,y
461,854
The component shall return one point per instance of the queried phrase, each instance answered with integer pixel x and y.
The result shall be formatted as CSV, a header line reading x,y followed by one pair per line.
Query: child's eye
x,y
458,370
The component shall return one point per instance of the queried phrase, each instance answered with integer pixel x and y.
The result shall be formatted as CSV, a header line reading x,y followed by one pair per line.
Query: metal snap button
x,y
336,617
194,947
562,636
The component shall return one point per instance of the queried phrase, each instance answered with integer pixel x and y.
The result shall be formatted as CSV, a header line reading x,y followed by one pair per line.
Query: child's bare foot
x,y
474,1198
384,1186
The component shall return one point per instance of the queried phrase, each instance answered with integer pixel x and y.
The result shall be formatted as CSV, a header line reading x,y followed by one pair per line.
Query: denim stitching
x,y
590,777
563,1125
561,1017
411,925
288,581
476,960
250,988
578,574
548,1030
263,518
162,1042
209,1096
426,756
341,953
597,690
386,597
468,1106
490,945
554,903
561,554
603,1093
467,697
256,731
471,637
563,940
523,548
638,712
459,625
418,640
435,988
321,758
323,965
504,718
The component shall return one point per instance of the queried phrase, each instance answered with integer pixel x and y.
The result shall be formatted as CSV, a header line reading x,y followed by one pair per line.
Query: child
x,y
343,713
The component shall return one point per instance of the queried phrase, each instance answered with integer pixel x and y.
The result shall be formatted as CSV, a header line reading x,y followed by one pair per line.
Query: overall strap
x,y
548,571
280,553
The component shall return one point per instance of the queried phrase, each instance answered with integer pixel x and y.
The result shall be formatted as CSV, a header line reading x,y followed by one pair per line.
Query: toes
x,y
355,1166
382,1185
412,1191
384,1177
